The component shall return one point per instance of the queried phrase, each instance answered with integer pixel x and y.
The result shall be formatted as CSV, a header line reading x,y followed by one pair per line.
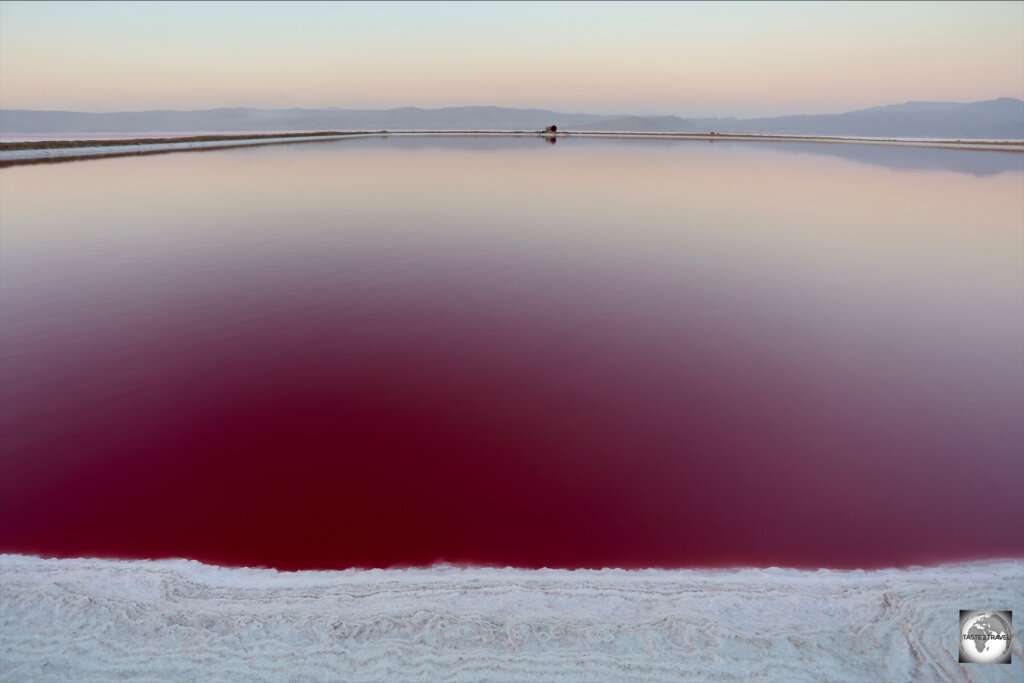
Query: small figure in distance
x,y
551,129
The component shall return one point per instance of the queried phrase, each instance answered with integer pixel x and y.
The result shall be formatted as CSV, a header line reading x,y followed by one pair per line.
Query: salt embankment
x,y
75,150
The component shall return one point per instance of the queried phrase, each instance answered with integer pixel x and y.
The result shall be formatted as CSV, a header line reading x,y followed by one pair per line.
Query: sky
x,y
653,58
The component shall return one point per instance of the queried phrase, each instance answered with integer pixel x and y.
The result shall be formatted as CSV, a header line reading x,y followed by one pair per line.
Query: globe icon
x,y
984,637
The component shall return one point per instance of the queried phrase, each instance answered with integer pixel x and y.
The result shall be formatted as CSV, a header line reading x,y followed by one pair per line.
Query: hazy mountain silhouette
x,y
241,119
638,124
998,119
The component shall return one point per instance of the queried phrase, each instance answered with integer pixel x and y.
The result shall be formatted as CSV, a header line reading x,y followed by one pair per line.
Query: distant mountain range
x,y
639,124
1002,118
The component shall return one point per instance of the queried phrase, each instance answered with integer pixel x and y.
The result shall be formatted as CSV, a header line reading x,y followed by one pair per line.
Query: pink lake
x,y
629,353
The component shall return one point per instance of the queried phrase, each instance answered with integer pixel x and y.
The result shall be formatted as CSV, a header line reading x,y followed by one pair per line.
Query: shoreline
x,y
53,150
12,153
180,619
469,566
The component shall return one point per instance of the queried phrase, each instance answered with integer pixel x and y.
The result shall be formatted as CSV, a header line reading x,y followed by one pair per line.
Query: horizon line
x,y
494,106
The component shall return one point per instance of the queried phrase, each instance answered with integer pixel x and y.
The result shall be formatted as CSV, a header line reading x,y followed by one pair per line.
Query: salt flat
x,y
98,620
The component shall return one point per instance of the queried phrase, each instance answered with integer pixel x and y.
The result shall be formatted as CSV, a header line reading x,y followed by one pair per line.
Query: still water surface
x,y
596,353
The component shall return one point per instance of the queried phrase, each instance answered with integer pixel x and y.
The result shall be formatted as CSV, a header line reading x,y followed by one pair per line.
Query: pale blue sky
x,y
689,59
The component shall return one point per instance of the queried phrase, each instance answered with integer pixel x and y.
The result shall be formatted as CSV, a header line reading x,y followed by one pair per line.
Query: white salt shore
x,y
170,146
178,620
27,155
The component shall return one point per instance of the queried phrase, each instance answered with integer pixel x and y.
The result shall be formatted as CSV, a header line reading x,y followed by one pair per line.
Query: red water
x,y
260,358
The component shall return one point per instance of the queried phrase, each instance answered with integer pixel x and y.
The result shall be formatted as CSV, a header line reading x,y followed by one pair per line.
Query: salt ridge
x,y
172,620
24,155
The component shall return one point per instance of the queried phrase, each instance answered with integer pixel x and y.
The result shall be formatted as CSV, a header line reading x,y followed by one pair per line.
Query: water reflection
x,y
972,162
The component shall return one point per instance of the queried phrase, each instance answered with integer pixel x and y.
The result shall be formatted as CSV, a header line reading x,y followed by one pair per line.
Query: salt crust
x,y
176,620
